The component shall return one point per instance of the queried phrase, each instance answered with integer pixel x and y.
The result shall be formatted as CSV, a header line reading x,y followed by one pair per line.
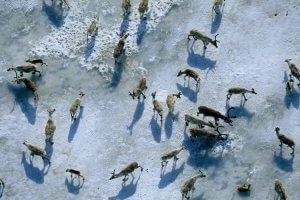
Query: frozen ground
x,y
114,130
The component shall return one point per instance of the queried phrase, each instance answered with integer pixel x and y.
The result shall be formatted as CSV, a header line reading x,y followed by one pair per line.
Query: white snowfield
x,y
113,130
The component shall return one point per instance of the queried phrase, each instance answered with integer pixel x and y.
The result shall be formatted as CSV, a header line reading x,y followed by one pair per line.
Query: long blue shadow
x,y
292,98
32,172
199,61
138,113
156,129
72,187
91,44
285,164
49,150
126,191
119,67
75,125
188,92
169,123
240,111
216,21
142,29
22,96
124,26
199,153
55,13
170,177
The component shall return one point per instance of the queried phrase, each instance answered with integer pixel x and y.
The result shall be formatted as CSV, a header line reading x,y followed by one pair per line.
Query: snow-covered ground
x,y
113,130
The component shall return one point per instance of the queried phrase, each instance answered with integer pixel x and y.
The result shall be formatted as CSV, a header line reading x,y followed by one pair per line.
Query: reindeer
x,y
243,187
191,118
295,71
36,61
171,154
119,49
143,7
139,90
75,105
209,112
25,68
35,150
2,186
28,84
50,127
92,26
171,101
157,106
127,170
280,190
285,140
201,132
238,90
191,74
217,5
76,172
126,5
197,35
189,185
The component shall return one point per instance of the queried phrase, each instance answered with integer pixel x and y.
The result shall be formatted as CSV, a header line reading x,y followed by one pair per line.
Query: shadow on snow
x,y
74,126
188,92
32,172
72,187
127,190
282,162
199,61
155,128
90,45
170,177
22,96
138,113
55,13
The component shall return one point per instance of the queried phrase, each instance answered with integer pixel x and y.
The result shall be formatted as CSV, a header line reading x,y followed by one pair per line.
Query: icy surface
x,y
112,130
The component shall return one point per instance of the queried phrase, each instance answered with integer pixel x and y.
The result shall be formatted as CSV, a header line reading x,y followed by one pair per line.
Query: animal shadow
x,y
75,124
126,191
244,194
283,163
156,129
55,13
138,113
32,172
240,111
91,45
73,187
292,98
124,26
188,92
119,67
199,61
169,123
22,96
1,189
216,21
142,29
199,197
199,153
49,150
170,177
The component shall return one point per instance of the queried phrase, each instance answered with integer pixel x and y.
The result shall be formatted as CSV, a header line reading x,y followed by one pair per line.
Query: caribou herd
x,y
201,127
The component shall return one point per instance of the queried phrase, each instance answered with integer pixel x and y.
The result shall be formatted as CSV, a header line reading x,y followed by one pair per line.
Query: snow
x,y
114,130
